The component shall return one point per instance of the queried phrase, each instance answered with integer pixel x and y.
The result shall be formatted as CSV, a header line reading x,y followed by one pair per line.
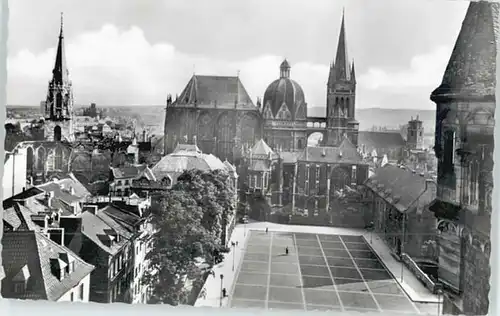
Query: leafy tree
x,y
190,220
179,240
213,194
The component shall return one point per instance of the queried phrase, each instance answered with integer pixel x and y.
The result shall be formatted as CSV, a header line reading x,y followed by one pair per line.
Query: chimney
x,y
72,190
49,197
58,268
56,235
90,208
144,136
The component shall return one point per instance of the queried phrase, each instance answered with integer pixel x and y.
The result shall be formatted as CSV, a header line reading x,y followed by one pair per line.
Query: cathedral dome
x,y
284,97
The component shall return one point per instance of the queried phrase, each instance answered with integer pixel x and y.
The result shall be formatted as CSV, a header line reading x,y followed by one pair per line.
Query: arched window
x,y
29,160
58,159
57,133
40,159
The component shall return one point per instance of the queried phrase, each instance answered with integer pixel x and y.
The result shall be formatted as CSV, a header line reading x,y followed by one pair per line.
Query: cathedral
x,y
268,141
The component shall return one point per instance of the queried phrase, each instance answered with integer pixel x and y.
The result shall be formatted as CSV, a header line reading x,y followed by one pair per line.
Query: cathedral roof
x,y
215,92
284,91
471,70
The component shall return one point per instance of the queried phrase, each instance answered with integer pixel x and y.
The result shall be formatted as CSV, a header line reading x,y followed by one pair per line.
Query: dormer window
x,y
20,280
58,268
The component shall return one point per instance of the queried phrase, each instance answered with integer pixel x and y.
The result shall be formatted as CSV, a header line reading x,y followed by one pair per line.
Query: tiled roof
x,y
262,149
289,156
400,186
122,217
96,230
34,250
132,171
215,91
19,217
377,140
346,152
471,70
60,192
181,161
31,192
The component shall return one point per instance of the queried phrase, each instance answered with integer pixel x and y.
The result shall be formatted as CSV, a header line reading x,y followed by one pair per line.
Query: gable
x,y
284,113
301,111
267,113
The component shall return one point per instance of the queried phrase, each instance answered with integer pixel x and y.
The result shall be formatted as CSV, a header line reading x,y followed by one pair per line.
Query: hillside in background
x,y
153,116
390,118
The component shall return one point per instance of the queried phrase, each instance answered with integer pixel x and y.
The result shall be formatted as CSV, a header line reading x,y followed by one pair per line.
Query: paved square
x,y
320,272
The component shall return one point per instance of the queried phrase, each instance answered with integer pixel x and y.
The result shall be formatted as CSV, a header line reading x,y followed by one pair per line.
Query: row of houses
x,y
58,246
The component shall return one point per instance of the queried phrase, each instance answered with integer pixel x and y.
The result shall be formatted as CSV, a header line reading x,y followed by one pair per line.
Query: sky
x,y
135,52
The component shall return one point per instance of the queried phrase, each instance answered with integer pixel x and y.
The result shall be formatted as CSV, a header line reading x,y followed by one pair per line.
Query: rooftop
x,y
401,186
31,255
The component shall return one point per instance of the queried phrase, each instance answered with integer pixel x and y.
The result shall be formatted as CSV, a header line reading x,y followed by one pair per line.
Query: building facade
x,y
464,143
398,200
218,115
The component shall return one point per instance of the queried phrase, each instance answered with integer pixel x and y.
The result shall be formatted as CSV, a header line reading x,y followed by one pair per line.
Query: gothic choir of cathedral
x,y
268,141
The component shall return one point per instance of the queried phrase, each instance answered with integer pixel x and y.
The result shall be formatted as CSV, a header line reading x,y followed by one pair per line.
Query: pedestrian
x,y
286,250
266,230
224,292
236,243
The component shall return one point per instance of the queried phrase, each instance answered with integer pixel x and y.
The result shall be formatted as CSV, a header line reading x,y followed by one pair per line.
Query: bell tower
x,y
59,102
341,94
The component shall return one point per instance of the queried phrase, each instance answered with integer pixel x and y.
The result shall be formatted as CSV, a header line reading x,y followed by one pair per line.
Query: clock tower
x,y
341,94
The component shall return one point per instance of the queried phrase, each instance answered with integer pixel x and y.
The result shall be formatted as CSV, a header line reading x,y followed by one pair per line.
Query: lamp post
x,y
439,291
234,250
221,284
371,232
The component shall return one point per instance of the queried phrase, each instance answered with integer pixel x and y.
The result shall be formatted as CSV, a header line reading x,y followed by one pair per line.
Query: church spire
x,y
60,72
342,69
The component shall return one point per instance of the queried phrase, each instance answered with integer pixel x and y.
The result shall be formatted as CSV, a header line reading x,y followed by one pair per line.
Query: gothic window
x,y
58,159
449,150
341,107
40,159
57,133
224,135
29,160
473,186
284,113
353,177
205,128
249,128
346,107
268,114
340,179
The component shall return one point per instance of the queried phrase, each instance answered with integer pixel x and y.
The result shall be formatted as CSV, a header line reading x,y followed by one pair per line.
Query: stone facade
x,y
464,147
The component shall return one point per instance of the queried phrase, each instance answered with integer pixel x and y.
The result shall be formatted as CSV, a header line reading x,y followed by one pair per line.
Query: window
x,y
19,287
449,150
119,182
82,290
126,182
353,176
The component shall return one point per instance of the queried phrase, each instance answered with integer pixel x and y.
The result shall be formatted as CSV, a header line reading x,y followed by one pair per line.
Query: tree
x,y
213,193
179,240
190,220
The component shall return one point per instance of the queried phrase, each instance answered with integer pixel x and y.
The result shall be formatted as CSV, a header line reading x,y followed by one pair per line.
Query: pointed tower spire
x,y
353,73
60,71
342,69
475,50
